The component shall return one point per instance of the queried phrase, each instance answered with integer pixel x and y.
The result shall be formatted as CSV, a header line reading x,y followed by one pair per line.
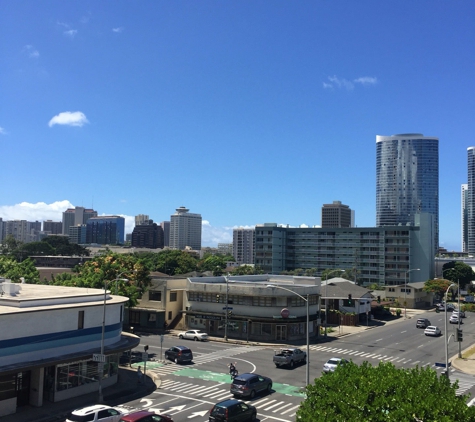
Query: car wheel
x,y
180,337
291,364
166,356
276,365
176,360
253,394
196,338
253,416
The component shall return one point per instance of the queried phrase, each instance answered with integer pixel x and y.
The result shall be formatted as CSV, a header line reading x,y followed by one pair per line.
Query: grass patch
x,y
468,353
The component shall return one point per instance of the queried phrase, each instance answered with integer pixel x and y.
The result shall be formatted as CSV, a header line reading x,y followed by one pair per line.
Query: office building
x,y
105,230
243,245
141,219
185,230
380,255
77,234
53,227
147,236
464,216
21,230
76,216
471,200
336,215
407,180
166,233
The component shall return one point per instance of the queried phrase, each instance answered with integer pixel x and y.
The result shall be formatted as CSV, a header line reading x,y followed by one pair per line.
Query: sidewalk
x,y
125,390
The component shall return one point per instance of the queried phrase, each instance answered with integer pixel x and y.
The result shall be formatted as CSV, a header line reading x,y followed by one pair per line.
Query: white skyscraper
x,y
243,245
185,230
464,216
471,200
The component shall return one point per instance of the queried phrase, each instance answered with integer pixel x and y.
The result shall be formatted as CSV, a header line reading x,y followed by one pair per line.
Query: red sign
x,y
284,313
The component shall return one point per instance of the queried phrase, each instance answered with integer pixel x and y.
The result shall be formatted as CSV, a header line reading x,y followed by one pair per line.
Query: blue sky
x,y
245,112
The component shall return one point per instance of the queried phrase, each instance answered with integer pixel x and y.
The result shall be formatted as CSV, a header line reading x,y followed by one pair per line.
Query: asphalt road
x,y
188,391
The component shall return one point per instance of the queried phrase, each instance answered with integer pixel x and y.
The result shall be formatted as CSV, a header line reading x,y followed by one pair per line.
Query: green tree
x,y
213,263
383,393
62,246
457,271
36,248
247,270
14,270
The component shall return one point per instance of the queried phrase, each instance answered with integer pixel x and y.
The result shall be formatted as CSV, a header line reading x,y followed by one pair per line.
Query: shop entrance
x,y
281,332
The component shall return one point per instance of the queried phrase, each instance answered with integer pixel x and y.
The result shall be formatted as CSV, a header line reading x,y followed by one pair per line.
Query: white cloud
x,y
211,236
70,118
2,131
31,51
366,80
118,30
343,83
35,212
63,24
71,33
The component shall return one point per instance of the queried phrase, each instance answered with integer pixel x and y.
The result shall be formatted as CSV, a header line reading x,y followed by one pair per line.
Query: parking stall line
x,y
290,410
267,408
282,408
257,402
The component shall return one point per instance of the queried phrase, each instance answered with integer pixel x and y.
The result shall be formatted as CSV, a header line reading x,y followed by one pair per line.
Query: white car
x,y
457,312
332,364
97,413
193,335
454,319
432,330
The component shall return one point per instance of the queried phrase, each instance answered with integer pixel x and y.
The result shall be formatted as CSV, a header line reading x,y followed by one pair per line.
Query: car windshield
x,y
333,361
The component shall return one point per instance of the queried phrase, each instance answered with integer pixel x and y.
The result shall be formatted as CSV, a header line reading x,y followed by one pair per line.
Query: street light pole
x,y
405,290
226,309
326,303
101,364
307,300
447,372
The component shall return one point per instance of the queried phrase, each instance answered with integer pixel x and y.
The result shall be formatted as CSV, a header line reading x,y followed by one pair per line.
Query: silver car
x,y
432,330
332,364
193,335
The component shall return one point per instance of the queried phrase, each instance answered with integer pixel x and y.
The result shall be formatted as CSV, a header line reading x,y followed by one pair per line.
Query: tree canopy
x,y
438,286
14,270
169,261
457,271
383,393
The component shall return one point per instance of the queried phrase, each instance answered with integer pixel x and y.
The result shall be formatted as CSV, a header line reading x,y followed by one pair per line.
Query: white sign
x,y
98,358
144,357
161,338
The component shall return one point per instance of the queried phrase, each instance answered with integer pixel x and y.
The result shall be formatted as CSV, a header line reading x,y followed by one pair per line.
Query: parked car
x,y
289,357
248,385
458,312
193,335
232,411
146,416
442,307
332,364
455,319
97,413
432,330
179,354
422,323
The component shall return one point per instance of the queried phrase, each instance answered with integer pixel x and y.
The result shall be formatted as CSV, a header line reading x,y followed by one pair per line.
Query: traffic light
x,y
379,299
459,335
145,348
217,298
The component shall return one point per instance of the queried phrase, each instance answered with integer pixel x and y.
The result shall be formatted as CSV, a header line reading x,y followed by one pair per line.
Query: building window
x,y
173,296
134,317
170,315
7,386
157,296
80,320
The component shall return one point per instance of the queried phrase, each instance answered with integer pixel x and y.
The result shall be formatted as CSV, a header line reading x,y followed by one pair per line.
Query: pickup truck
x,y
289,357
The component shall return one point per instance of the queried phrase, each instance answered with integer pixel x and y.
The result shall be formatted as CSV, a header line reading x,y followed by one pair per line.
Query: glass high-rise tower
x,y
407,180
471,200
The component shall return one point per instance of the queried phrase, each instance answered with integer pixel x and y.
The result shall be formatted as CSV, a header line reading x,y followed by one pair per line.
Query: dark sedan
x,y
248,385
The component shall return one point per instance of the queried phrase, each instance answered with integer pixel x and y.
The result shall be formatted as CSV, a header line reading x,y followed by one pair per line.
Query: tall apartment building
x,y
407,180
185,230
76,216
141,219
471,200
22,230
166,233
336,215
148,236
381,255
464,215
105,230
243,245
53,227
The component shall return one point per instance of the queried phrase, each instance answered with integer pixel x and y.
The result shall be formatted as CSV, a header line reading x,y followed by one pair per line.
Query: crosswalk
x,y
466,381
168,367
218,392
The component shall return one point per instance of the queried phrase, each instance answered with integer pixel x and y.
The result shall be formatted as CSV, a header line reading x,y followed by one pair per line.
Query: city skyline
x,y
246,113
